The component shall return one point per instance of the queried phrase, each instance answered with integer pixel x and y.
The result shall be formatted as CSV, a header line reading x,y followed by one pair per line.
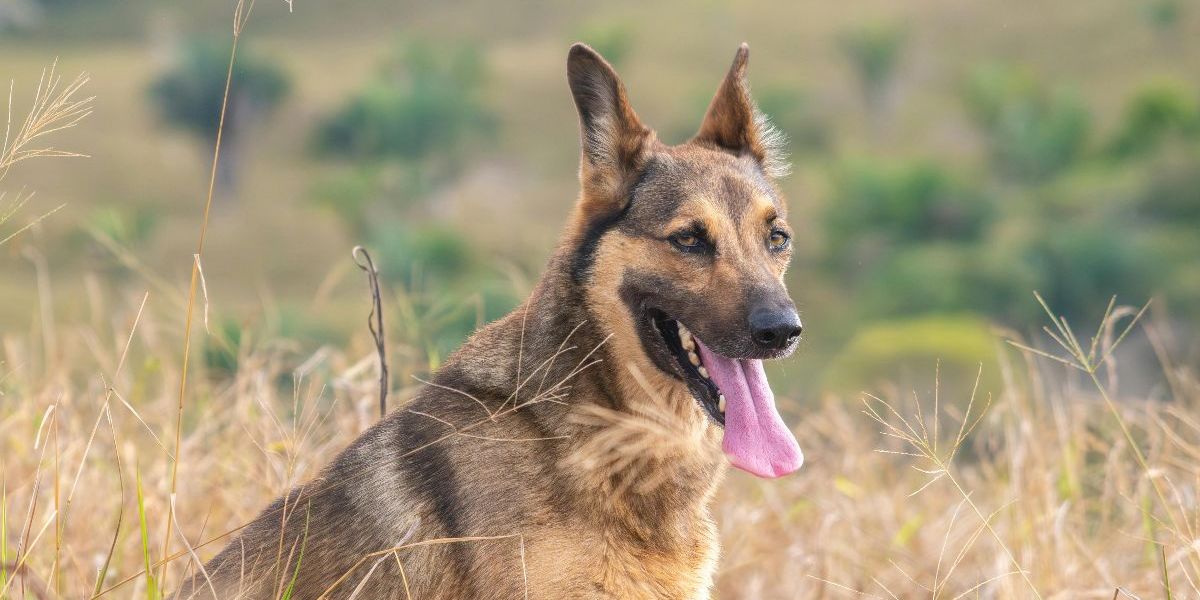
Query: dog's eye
x,y
779,240
688,242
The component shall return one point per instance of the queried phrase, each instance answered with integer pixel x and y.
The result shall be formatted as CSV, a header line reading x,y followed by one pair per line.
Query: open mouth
x,y
734,392
683,348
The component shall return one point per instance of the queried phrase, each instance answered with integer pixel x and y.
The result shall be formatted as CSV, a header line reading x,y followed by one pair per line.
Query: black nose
x,y
775,329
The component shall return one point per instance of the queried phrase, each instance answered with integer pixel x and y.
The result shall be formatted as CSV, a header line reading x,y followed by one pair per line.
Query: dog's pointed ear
x,y
733,123
614,141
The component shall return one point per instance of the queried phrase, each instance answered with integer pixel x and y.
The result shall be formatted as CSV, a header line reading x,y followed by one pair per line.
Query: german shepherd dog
x,y
572,448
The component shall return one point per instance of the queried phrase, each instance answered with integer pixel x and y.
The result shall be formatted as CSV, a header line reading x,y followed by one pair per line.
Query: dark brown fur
x,y
555,453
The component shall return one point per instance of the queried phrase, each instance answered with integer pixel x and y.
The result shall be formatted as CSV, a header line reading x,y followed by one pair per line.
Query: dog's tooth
x,y
688,343
721,402
695,361
703,372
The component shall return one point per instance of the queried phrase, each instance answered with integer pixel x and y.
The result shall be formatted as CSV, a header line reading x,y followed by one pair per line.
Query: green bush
x,y
1080,267
920,278
1171,193
906,352
432,253
427,102
885,205
1162,15
1156,113
1032,133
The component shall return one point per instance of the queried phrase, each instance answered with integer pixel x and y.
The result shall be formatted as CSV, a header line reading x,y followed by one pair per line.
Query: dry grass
x,y
1051,490
1054,489
1039,493
55,108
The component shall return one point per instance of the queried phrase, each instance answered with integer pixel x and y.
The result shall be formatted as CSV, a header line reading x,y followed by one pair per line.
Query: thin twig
x,y
375,321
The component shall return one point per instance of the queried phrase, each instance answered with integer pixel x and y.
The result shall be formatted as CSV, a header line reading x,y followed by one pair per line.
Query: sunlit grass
x,y
1035,491
1064,505
55,107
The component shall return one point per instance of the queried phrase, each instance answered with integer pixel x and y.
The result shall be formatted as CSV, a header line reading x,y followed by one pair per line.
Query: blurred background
x,y
949,159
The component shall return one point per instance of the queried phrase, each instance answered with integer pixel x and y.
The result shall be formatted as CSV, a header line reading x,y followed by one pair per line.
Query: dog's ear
x,y
615,143
733,123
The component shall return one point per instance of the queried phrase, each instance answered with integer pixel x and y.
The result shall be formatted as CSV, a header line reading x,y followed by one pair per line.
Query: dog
x,y
571,449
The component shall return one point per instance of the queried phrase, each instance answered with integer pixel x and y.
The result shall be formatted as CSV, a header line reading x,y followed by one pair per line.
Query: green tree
x,y
189,95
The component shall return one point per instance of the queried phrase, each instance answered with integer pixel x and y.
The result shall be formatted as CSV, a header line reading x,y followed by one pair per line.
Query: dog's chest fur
x,y
612,509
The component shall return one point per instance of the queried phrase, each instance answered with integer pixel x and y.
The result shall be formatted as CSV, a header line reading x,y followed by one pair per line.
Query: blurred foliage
x,y
223,345
349,195
874,50
229,340
189,95
612,39
1162,15
905,236
1081,267
411,131
1155,114
430,251
908,238
1171,195
427,101
128,227
901,352
1032,132
795,112
883,204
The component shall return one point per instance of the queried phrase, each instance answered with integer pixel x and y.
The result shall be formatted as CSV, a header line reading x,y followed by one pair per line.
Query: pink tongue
x,y
756,438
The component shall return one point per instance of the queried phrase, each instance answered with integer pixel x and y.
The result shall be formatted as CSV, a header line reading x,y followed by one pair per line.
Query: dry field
x,y
1049,490
134,441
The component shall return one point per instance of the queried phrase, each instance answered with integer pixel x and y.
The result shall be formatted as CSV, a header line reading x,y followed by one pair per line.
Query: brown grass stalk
x,y
241,15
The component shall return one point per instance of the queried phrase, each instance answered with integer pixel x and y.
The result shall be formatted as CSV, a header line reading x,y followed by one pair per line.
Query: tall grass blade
x,y
102,572
152,592
3,536
291,588
1166,580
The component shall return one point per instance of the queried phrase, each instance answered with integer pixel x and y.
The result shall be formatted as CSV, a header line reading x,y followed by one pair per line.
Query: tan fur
x,y
552,456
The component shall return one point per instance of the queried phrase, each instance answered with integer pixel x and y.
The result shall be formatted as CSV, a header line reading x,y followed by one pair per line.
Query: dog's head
x,y
682,250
